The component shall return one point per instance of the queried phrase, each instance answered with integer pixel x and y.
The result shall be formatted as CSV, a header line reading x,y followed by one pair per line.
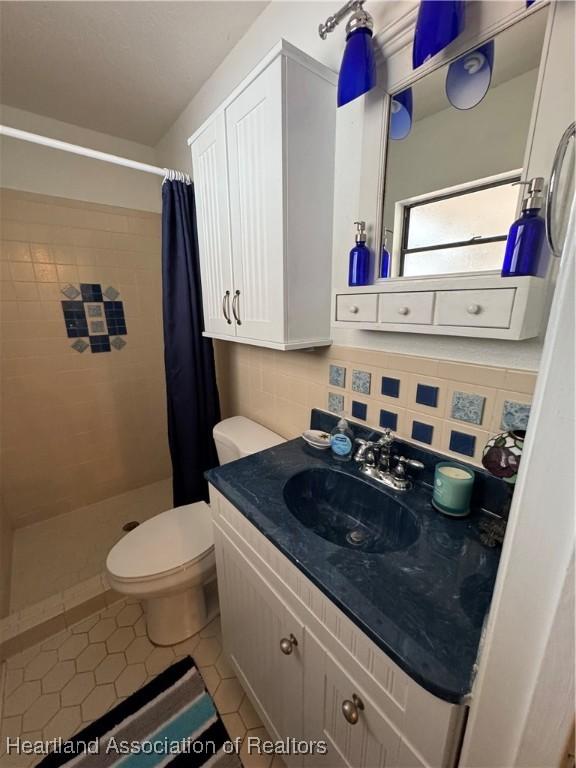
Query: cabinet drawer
x,y
491,308
357,307
417,307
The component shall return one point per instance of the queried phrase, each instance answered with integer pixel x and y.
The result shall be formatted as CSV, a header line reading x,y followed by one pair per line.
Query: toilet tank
x,y
238,436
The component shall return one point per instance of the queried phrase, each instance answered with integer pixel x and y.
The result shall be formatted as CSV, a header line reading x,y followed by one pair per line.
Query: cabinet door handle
x,y
474,309
353,309
226,307
236,307
350,709
403,310
287,644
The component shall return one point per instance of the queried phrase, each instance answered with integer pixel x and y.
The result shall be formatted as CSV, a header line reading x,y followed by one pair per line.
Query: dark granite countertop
x,y
424,606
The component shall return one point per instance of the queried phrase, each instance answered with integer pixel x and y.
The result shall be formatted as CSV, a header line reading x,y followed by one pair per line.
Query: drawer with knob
x,y
416,307
357,308
489,308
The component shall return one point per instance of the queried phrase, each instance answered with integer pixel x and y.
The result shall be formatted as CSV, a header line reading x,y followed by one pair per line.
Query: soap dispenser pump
x,y
359,266
526,234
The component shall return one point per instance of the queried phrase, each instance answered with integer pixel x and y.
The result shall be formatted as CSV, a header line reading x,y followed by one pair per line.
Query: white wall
x,y
297,22
34,168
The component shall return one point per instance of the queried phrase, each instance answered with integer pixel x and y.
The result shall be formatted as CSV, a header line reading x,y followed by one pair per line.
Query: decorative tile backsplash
x,y
515,415
335,402
467,407
361,382
96,315
337,376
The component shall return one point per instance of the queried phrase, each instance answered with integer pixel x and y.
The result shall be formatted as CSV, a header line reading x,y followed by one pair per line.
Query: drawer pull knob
x,y
287,644
474,309
353,309
350,709
403,310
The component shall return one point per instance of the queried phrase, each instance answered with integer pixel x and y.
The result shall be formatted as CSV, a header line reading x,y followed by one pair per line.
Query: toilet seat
x,y
170,542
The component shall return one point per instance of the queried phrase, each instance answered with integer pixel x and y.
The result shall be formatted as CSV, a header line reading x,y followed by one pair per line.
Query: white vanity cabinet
x,y
263,172
300,659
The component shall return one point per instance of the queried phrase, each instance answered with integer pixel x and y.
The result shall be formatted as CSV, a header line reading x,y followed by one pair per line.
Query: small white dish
x,y
317,438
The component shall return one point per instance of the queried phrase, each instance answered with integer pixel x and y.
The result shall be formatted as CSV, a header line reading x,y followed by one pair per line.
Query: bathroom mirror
x,y
456,146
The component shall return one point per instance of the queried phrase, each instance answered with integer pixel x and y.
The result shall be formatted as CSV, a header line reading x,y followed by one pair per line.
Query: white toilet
x,y
169,562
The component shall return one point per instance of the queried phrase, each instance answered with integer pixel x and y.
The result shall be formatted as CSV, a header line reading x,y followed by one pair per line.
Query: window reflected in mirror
x,y
449,198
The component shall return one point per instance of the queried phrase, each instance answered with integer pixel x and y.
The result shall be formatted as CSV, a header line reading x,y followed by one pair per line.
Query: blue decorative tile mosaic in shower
x,y
95,316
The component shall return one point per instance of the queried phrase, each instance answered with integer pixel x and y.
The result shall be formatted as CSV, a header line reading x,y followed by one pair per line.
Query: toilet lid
x,y
167,541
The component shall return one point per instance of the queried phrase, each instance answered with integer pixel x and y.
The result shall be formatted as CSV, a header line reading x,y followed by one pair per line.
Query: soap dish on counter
x,y
317,438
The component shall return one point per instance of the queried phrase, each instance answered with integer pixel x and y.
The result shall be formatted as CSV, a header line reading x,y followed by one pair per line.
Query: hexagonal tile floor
x,y
59,686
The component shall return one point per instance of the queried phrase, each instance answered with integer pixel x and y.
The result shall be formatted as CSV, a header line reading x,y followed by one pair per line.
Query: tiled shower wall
x,y
78,427
451,407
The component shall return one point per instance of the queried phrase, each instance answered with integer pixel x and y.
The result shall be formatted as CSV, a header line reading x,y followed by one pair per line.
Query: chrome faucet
x,y
375,460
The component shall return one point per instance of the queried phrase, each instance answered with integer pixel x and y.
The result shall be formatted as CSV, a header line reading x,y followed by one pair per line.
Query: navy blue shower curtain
x,y
192,393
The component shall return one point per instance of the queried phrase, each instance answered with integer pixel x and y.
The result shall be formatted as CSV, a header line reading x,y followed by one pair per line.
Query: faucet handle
x,y
387,438
402,462
363,445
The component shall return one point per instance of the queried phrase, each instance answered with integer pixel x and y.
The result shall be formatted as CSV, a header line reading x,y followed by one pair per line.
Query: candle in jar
x,y
452,489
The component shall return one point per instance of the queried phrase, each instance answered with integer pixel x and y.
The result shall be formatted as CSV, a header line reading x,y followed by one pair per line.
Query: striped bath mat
x,y
172,721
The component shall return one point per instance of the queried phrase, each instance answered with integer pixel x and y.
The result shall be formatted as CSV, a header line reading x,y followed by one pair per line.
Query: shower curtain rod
x,y
35,138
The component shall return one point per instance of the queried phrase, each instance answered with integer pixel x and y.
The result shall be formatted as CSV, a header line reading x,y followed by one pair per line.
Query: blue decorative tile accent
x,y
359,410
335,402
91,292
118,343
427,395
422,432
462,443
388,419
90,316
390,387
74,319
100,343
80,345
70,291
337,376
361,381
114,312
468,407
94,310
111,293
515,415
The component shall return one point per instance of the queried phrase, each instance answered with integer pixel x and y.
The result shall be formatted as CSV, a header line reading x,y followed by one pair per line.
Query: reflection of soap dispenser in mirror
x,y
385,257
359,271
526,234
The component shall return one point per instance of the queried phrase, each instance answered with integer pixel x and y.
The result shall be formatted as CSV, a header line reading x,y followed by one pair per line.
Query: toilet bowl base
x,y
173,618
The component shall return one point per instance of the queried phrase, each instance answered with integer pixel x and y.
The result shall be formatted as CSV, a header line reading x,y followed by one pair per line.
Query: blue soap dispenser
x,y
360,258
526,234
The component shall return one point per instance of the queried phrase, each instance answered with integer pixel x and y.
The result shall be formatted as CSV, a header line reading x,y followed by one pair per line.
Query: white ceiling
x,y
124,68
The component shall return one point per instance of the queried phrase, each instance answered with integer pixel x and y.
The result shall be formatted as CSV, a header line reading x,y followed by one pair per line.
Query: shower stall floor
x,y
54,555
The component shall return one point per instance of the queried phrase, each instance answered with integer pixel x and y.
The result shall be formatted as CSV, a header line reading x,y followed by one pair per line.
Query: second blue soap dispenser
x,y
359,270
526,234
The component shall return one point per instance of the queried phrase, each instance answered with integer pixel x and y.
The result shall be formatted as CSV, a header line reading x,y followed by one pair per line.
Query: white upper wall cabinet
x,y
440,196
264,178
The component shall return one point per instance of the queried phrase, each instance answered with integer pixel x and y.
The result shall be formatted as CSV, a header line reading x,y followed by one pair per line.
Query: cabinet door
x,y
254,622
213,215
371,742
254,135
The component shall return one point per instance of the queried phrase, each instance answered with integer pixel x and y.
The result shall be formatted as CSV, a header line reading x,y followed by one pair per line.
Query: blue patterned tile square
x,y
80,345
427,395
91,292
390,387
337,376
118,343
70,291
462,443
359,410
97,327
111,293
515,415
388,419
467,407
422,432
94,310
99,343
361,381
335,402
